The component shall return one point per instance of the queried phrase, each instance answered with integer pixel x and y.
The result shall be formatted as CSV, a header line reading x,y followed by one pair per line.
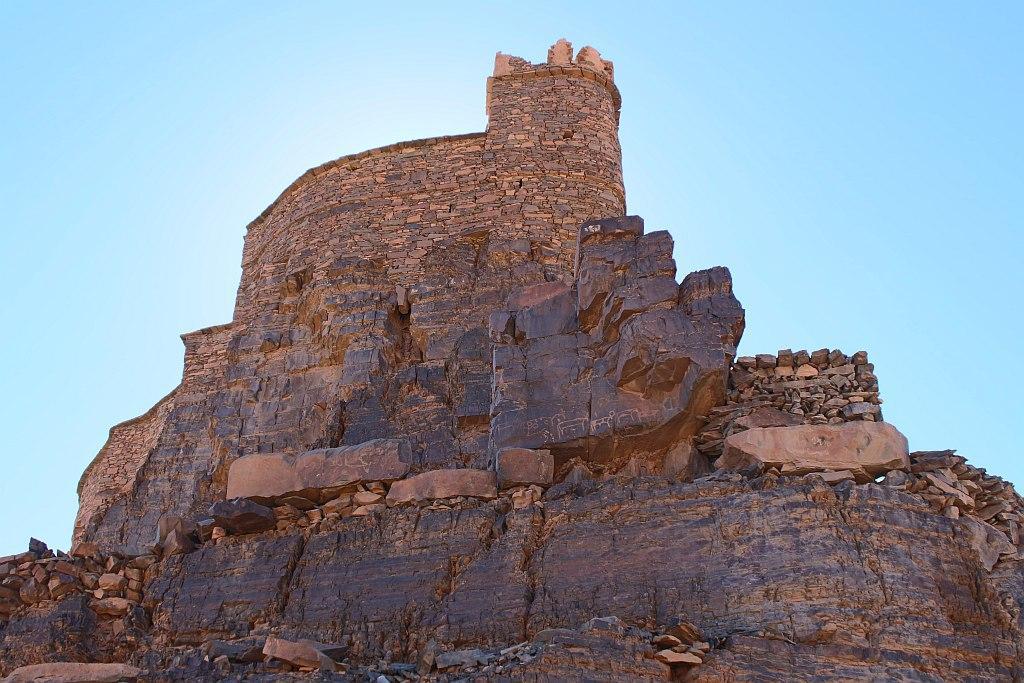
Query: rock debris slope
x,y
468,424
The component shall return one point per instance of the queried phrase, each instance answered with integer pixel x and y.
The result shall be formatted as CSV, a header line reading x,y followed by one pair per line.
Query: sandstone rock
x,y
178,543
170,523
676,658
443,484
654,353
112,582
461,658
314,474
685,463
73,672
988,542
838,476
766,416
242,516
366,498
866,449
303,652
61,584
110,607
523,466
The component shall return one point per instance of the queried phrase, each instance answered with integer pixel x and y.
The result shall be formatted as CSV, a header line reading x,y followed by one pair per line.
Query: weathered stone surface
x,y
524,466
803,560
73,672
242,516
219,590
443,484
864,448
302,652
364,299
65,630
268,476
685,463
626,361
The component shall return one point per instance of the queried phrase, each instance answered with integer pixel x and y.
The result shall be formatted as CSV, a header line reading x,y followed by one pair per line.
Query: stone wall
x,y
113,471
549,160
822,387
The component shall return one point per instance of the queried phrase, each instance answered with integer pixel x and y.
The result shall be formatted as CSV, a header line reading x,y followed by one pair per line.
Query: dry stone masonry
x,y
467,423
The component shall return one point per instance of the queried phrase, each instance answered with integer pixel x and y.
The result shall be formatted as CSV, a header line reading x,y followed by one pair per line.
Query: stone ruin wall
x,y
820,387
549,160
381,230
114,471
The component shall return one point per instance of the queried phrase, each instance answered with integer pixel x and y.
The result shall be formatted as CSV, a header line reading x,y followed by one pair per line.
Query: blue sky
x,y
859,168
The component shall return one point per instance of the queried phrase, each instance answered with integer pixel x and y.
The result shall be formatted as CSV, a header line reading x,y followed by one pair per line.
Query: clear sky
x,y
858,166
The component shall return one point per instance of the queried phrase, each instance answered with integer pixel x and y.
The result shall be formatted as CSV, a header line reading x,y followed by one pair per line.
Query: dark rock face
x,y
624,362
822,570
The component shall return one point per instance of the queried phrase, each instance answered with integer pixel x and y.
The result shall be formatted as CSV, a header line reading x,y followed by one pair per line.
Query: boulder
x,y
303,652
989,542
524,466
242,516
866,449
462,658
316,475
73,672
170,523
673,658
443,484
178,542
112,582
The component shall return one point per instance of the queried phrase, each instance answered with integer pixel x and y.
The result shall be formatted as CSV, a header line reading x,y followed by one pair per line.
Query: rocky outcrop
x,y
624,363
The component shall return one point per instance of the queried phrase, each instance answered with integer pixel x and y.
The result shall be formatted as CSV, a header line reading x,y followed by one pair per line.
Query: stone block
x,y
524,466
438,484
865,448
316,475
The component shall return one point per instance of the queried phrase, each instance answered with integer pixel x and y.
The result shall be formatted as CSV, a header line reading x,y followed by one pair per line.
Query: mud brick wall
x,y
821,387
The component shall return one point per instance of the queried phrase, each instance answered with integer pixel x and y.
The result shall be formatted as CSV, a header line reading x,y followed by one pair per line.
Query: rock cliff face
x,y
467,424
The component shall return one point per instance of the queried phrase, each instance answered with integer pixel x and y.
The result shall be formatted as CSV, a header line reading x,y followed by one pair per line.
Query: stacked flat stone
x,y
822,387
112,584
955,489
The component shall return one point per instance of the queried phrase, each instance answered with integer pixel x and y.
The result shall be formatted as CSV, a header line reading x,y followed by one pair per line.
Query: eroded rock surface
x,y
626,361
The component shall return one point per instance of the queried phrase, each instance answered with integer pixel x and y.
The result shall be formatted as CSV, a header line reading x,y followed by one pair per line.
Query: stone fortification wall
x,y
549,160
365,291
821,387
113,471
